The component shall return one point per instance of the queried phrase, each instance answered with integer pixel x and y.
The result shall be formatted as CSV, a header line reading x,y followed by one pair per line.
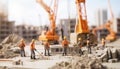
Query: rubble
x,y
83,62
7,44
112,60
4,67
18,62
12,38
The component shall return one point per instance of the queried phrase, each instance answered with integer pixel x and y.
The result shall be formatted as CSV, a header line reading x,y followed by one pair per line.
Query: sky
x,y
30,12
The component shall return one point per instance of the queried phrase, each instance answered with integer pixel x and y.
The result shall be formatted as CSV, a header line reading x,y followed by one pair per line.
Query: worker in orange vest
x,y
22,46
79,44
32,47
46,47
103,43
65,44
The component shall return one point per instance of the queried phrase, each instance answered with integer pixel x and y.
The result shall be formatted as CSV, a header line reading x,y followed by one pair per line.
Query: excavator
x,y
50,35
81,29
112,36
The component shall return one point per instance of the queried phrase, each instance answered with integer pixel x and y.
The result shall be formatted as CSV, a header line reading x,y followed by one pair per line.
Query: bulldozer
x,y
81,29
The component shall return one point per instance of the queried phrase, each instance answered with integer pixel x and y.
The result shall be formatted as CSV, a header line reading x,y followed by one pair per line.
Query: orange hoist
x,y
50,35
81,29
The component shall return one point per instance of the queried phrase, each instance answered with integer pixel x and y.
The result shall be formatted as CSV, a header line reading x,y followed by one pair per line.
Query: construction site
x,y
84,48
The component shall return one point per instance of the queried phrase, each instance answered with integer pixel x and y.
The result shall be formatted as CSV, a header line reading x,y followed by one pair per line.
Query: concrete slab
x,y
112,65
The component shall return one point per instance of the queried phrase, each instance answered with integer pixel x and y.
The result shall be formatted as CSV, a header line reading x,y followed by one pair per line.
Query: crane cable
x,y
110,8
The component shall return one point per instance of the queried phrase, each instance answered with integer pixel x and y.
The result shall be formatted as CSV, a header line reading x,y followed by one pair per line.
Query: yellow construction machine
x,y
81,29
50,35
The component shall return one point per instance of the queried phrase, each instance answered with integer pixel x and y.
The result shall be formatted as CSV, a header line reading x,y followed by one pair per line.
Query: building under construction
x,y
81,48
6,27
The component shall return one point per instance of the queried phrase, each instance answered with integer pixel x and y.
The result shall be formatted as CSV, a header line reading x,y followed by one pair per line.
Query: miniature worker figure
x,y
89,46
32,47
103,43
80,46
65,45
47,48
22,46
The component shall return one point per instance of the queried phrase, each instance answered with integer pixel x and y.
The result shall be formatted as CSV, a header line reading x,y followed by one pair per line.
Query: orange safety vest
x,y
22,45
32,46
65,43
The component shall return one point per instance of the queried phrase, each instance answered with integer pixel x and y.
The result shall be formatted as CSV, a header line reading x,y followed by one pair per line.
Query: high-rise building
x,y
100,16
6,27
119,15
116,26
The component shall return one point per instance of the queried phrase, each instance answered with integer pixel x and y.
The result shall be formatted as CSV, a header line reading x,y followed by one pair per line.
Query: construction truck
x,y
81,29
50,35
112,36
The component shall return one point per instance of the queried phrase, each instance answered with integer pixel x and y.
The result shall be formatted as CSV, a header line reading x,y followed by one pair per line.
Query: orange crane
x,y
107,25
82,26
81,29
50,35
109,37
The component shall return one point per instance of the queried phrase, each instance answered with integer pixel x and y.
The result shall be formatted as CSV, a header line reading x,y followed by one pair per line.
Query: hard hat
x,y
33,40
22,40
103,39
64,37
79,38
46,39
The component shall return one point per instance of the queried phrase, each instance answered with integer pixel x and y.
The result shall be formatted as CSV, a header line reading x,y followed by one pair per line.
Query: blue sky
x,y
30,12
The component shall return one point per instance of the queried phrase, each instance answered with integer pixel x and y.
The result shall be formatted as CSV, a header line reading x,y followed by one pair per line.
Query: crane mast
x,y
82,26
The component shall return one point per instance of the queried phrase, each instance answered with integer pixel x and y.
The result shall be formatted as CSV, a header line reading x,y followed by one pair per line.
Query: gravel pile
x,y
7,44
83,62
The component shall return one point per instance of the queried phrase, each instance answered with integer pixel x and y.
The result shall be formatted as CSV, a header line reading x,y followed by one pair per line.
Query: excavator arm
x,y
50,13
50,35
111,36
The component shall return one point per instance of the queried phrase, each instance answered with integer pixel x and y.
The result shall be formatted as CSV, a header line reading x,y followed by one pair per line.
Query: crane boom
x,y
50,35
50,13
47,8
110,8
